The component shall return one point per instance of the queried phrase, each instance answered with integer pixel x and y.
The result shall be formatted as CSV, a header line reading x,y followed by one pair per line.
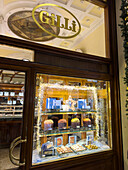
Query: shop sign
x,y
54,20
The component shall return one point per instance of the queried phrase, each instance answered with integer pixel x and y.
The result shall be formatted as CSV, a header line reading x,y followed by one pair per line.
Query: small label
x,y
6,93
1,93
14,101
12,94
21,94
9,102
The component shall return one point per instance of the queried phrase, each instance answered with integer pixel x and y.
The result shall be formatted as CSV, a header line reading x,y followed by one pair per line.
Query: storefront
x,y
59,86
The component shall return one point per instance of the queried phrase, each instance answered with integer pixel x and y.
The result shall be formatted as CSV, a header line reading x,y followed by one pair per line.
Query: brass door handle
x,y
14,143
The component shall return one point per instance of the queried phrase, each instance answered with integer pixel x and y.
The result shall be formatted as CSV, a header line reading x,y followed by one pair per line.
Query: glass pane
x,y
76,25
16,53
11,111
72,117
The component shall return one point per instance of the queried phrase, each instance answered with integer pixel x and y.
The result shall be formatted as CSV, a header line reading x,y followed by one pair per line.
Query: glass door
x,y
12,101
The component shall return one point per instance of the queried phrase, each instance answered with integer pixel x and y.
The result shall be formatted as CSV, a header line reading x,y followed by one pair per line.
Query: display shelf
x,y
12,96
11,106
9,111
65,132
68,112
11,116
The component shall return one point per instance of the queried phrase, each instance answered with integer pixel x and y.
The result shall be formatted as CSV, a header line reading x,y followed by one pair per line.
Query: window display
x,y
72,117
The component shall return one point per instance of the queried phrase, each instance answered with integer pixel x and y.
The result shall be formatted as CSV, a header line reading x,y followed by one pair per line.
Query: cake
x,y
48,124
75,123
86,122
62,124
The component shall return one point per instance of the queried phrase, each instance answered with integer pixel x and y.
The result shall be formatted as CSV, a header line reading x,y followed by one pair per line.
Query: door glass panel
x,y
72,117
12,85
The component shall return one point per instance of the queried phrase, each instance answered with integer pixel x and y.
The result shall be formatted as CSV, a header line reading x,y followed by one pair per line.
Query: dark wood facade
x,y
56,61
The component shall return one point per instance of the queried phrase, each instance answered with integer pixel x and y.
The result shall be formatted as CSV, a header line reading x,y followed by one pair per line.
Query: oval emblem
x,y
55,20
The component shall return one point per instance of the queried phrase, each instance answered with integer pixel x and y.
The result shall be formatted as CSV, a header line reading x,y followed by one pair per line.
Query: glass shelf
x,y
68,112
66,132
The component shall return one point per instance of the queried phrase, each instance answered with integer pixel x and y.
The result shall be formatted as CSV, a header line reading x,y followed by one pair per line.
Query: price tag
x,y
14,101
12,94
21,102
6,93
9,102
21,94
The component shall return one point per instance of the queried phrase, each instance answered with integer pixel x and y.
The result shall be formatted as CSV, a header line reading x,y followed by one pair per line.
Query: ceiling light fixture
x,y
87,20
82,1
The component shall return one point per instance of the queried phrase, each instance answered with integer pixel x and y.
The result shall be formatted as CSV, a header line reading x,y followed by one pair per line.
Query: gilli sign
x,y
55,20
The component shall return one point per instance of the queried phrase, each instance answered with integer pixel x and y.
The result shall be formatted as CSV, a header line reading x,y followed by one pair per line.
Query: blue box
x,y
81,104
50,103
58,104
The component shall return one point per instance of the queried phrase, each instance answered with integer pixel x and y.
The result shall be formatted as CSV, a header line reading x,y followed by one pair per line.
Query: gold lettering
x,y
58,22
53,19
74,26
44,15
66,24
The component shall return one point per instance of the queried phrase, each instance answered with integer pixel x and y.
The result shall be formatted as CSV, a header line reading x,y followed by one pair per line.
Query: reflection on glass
x,y
16,53
20,24
72,117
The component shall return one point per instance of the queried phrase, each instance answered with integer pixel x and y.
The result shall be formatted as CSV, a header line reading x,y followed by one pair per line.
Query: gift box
x,y
47,149
81,104
58,141
52,103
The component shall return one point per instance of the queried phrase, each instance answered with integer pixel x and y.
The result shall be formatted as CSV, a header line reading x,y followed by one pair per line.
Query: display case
x,y
72,117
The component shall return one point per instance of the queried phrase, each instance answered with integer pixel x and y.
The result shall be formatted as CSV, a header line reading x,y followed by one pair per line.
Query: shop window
x,y
72,117
77,25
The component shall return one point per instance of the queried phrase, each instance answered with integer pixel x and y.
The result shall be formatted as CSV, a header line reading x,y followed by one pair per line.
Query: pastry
x,y
86,122
48,124
62,124
75,123
90,147
64,149
78,148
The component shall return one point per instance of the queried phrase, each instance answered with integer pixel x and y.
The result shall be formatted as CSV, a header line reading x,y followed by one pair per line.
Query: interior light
x,y
5,81
25,59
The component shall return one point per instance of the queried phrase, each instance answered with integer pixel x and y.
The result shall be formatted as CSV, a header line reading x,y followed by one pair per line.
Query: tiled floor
x,y
5,163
